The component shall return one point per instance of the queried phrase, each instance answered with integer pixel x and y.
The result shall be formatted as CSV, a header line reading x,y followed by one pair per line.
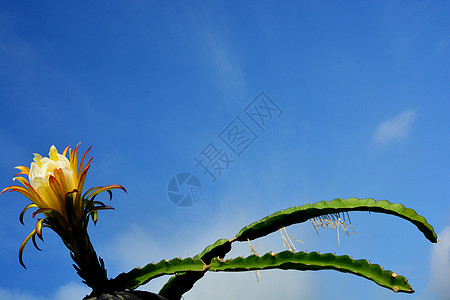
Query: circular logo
x,y
184,189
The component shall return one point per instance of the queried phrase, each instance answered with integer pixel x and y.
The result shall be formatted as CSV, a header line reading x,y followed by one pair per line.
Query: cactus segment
x,y
189,270
182,282
140,276
314,261
219,249
285,260
179,284
300,214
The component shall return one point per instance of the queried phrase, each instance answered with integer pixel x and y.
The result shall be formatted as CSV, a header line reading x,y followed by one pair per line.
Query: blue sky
x,y
364,95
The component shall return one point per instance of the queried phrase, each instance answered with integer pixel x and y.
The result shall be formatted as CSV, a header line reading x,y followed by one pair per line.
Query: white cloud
x,y
136,247
17,295
131,248
244,285
396,128
274,284
70,291
440,266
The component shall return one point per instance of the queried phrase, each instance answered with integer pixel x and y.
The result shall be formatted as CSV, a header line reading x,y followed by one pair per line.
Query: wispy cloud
x,y
70,291
443,44
136,247
440,265
133,248
221,53
220,286
224,62
395,129
17,295
274,284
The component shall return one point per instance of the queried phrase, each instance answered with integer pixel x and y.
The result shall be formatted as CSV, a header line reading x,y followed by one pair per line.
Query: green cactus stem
x,y
188,271
300,214
285,260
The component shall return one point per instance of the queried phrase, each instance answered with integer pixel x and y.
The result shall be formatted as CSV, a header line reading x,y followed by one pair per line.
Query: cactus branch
x,y
188,271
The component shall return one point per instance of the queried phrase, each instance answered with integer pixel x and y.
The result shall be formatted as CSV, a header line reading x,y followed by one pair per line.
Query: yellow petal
x,y
37,159
23,170
53,154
